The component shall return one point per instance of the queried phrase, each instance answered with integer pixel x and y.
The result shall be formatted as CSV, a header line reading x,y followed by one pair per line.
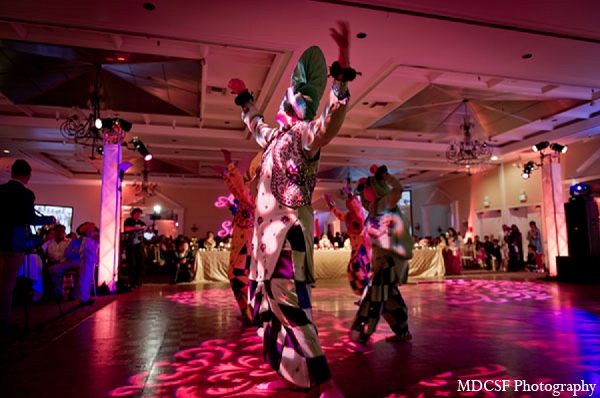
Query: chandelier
x,y
469,151
92,128
144,188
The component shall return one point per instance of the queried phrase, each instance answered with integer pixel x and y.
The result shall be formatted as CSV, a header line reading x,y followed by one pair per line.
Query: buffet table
x,y
212,265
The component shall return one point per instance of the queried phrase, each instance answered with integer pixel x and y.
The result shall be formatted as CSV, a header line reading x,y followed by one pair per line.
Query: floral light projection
x,y
461,292
215,368
212,298
234,367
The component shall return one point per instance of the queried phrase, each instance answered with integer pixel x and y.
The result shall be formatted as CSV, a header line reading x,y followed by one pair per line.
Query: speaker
x,y
583,232
578,269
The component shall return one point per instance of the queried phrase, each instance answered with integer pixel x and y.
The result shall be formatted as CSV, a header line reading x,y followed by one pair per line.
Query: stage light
x,y
527,169
112,122
125,125
580,189
141,148
100,150
559,148
539,146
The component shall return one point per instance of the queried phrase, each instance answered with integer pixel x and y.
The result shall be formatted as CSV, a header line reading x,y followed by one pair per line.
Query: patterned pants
x,y
282,308
381,298
239,264
358,270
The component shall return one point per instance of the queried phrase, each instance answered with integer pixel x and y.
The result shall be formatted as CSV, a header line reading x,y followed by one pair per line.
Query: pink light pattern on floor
x,y
219,368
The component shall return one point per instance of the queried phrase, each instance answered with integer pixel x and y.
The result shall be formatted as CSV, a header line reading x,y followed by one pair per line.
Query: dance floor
x,y
185,341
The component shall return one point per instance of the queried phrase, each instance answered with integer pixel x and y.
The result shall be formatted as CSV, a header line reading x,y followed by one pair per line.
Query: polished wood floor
x,y
185,341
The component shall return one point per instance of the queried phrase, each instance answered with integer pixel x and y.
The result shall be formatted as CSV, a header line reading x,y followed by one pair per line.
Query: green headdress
x,y
309,80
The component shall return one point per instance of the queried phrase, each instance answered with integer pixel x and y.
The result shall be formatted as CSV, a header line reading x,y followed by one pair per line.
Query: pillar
x,y
553,211
110,213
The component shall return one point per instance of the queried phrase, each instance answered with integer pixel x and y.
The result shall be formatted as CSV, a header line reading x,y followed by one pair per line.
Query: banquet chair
x,y
467,257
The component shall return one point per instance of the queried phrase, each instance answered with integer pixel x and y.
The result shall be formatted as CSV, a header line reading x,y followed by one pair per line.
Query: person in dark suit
x,y
134,253
17,202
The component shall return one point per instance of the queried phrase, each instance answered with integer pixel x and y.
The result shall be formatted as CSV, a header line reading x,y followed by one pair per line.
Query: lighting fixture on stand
x,y
546,150
469,151
141,148
527,169
94,128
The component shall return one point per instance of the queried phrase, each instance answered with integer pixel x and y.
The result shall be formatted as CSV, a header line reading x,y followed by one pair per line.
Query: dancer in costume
x,y
281,272
360,259
392,248
243,227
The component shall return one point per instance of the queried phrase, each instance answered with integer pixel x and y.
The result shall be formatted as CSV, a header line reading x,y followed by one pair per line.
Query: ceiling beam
x,y
591,125
49,163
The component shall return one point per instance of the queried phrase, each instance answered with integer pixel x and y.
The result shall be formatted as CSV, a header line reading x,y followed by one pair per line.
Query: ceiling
x,y
520,74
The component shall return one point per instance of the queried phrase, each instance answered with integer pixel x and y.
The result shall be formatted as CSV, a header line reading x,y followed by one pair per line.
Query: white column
x,y
553,211
110,214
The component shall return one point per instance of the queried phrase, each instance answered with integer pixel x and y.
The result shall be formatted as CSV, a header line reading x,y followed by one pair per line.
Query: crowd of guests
x,y
329,241
506,252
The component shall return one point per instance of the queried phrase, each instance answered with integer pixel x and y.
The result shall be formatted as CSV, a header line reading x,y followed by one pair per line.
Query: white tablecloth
x,y
329,264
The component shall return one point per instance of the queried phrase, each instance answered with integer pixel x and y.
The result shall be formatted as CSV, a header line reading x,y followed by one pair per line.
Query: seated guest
x,y
495,255
531,262
184,261
480,254
227,243
209,242
325,243
338,239
56,251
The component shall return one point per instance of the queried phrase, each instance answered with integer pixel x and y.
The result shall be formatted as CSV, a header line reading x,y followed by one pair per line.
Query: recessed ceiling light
x,y
468,166
120,58
361,35
6,151
149,6
494,157
527,56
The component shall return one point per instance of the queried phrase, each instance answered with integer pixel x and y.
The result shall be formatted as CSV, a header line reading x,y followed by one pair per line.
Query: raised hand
x,y
342,38
219,169
226,156
237,86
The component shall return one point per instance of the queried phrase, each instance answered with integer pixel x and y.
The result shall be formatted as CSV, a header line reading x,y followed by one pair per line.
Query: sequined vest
x,y
294,176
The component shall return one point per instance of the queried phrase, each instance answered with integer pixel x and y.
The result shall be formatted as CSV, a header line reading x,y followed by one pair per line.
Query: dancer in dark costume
x,y
392,248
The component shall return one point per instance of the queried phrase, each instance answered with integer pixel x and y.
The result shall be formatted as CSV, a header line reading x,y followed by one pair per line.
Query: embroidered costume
x,y
392,248
360,259
281,272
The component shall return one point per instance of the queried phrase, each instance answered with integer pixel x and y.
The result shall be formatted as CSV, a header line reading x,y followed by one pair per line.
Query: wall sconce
x,y
486,202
